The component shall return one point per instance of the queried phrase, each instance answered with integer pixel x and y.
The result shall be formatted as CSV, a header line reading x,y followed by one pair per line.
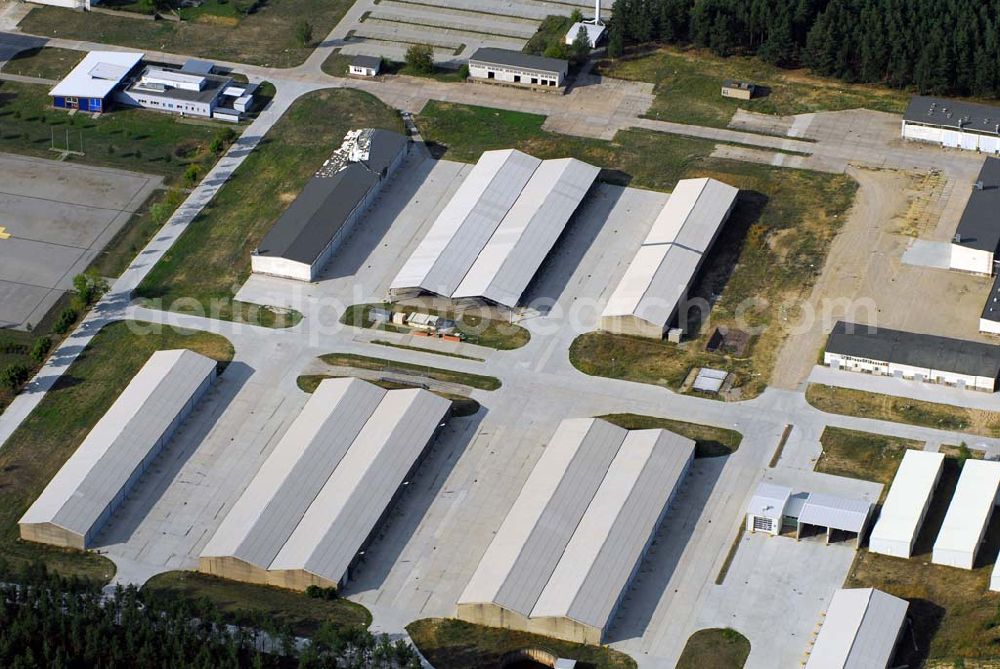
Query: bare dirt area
x,y
865,280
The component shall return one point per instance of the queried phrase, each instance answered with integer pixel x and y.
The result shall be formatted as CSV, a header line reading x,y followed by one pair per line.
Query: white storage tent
x,y
906,504
495,232
568,549
860,631
96,479
968,515
660,274
318,497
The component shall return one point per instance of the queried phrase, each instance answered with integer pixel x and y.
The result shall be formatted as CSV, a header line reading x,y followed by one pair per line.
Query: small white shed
x,y
365,66
766,510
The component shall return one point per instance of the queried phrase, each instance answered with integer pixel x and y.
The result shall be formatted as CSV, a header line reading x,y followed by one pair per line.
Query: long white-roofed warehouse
x,y
566,553
309,232
317,500
495,232
964,527
861,630
906,504
646,299
97,478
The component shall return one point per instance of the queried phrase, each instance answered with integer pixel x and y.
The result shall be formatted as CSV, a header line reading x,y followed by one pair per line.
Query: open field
x,y
862,455
955,618
461,405
388,366
43,62
212,258
716,648
709,441
688,84
41,445
265,37
243,602
476,329
129,139
849,402
453,644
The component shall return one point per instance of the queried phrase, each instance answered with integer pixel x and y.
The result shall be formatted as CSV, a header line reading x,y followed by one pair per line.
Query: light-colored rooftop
x,y
902,511
860,630
970,508
97,74
839,513
769,500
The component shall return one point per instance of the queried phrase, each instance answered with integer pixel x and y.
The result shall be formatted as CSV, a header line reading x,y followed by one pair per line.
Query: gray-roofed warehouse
x,y
96,479
909,355
308,233
565,555
952,123
516,68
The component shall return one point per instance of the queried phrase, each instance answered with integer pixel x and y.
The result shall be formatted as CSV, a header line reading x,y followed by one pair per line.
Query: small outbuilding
x,y
365,66
741,90
766,511
594,31
505,66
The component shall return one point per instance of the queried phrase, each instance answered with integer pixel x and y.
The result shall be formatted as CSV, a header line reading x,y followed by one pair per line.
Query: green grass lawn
x,y
43,62
709,441
212,258
267,36
715,648
454,644
461,405
551,31
54,430
476,329
129,139
861,455
389,366
242,603
688,86
850,402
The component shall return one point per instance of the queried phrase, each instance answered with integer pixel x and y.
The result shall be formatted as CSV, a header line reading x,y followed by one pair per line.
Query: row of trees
x,y
59,623
937,46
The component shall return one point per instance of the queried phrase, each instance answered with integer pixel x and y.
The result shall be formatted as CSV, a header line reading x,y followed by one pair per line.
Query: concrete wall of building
x,y
951,138
361,71
282,267
775,525
909,372
134,98
69,4
631,325
986,325
965,259
47,533
738,93
514,75
491,615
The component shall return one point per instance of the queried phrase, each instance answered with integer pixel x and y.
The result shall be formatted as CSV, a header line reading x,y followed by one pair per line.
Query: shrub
x,y
420,58
192,174
14,375
65,321
303,33
40,349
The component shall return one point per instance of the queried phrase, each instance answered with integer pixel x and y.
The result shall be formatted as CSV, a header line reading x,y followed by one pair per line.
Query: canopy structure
x,y
495,232
97,478
567,551
318,497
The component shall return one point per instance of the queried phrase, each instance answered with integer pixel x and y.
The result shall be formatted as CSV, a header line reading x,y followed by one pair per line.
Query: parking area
x,y
455,28
54,219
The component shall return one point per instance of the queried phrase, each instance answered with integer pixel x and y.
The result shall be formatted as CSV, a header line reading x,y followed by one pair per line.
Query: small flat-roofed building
x,y
906,504
835,514
968,515
907,355
308,233
860,631
594,31
318,499
365,66
505,66
647,298
565,555
974,246
92,84
766,510
741,90
989,320
96,479
495,232
952,123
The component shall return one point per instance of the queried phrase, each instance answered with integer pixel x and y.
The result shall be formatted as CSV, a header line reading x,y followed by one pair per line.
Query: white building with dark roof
x,y
305,237
96,479
317,500
977,238
952,123
647,297
505,66
861,629
565,555
493,235
907,355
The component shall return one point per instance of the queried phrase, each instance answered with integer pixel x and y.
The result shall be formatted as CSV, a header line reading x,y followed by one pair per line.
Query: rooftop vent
x,y
979,185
